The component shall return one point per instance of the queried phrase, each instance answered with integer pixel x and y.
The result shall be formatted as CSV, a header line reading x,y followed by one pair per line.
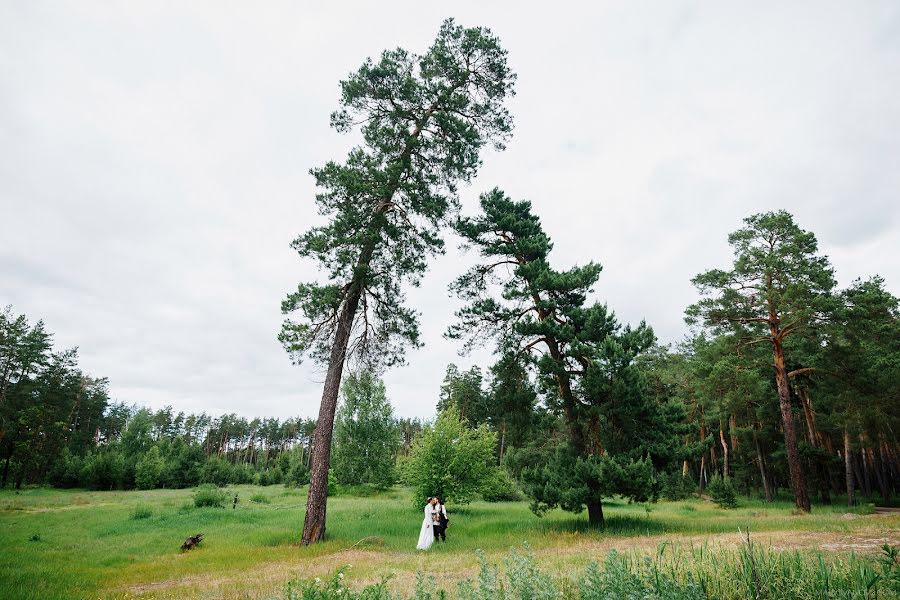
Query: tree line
x,y
59,426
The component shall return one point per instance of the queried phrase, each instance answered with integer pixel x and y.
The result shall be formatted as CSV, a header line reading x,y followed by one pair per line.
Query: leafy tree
x,y
585,360
149,469
450,460
366,435
465,390
424,120
777,287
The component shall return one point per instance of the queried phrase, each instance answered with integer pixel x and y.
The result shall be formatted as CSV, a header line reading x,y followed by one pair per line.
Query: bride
x,y
426,536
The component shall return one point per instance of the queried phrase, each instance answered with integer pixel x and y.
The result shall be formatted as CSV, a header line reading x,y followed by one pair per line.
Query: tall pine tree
x,y
424,121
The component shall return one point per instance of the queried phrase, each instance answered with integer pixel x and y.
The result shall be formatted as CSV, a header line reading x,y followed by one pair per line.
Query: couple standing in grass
x,y
434,525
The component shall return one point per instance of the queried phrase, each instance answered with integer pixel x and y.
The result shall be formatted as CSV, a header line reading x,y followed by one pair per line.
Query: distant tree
x,y
366,436
149,469
777,287
451,460
465,390
424,120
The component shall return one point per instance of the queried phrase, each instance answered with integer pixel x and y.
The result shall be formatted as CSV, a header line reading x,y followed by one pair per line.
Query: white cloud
x,y
154,158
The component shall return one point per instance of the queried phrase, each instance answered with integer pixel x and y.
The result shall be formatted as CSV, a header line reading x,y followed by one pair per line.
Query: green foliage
x,y
332,483
103,470
674,486
450,460
500,487
66,470
423,121
149,469
366,437
722,491
260,498
210,495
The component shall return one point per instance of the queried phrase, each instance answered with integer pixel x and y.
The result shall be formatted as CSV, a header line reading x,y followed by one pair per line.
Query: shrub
x,y
217,471
297,475
103,470
722,492
500,488
271,477
673,486
332,483
141,512
260,498
210,495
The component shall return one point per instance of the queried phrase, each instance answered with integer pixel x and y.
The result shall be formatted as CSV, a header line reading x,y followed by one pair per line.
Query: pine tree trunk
x,y
762,467
316,501
848,469
595,513
864,465
798,478
724,452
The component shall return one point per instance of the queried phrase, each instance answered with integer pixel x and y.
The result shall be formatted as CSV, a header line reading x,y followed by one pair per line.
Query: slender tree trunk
x,y
848,469
867,482
762,466
798,478
702,473
502,441
724,452
6,470
595,513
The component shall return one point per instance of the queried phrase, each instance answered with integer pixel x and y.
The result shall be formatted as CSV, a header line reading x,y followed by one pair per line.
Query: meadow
x,y
126,544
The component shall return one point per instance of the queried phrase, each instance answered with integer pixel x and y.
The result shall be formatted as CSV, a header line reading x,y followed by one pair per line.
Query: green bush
x,y
141,512
722,492
672,486
210,495
260,498
66,470
500,487
271,477
332,483
297,474
103,470
217,471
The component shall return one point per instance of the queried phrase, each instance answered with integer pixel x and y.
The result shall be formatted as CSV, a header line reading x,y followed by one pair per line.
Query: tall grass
x,y
703,573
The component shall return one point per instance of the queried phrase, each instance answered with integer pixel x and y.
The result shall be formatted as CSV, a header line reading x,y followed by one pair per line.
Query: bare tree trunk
x,y
502,441
316,501
702,473
724,452
848,469
867,482
762,466
798,478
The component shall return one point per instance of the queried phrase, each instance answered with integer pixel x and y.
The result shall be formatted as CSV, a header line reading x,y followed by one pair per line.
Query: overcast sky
x,y
154,165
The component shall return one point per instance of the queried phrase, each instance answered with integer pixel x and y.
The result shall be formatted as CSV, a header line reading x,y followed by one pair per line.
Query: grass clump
x,y
210,495
141,511
260,499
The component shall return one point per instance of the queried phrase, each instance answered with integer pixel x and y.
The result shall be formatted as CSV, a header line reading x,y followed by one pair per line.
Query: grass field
x,y
77,544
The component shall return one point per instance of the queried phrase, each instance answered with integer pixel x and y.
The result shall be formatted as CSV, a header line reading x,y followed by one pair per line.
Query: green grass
x,y
89,545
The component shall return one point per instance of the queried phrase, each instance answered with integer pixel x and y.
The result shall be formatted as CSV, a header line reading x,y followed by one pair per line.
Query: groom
x,y
440,520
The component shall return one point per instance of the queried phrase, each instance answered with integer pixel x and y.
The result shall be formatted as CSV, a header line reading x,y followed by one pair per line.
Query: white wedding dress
x,y
426,536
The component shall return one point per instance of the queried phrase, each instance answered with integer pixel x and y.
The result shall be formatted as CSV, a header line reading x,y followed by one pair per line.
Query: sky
x,y
154,162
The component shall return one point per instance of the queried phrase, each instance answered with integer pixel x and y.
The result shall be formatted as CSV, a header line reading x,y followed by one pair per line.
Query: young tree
x,y
584,358
450,459
424,120
777,287
366,436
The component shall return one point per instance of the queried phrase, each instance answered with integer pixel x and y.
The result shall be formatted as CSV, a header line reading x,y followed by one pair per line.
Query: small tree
x,y
450,460
366,436
149,470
